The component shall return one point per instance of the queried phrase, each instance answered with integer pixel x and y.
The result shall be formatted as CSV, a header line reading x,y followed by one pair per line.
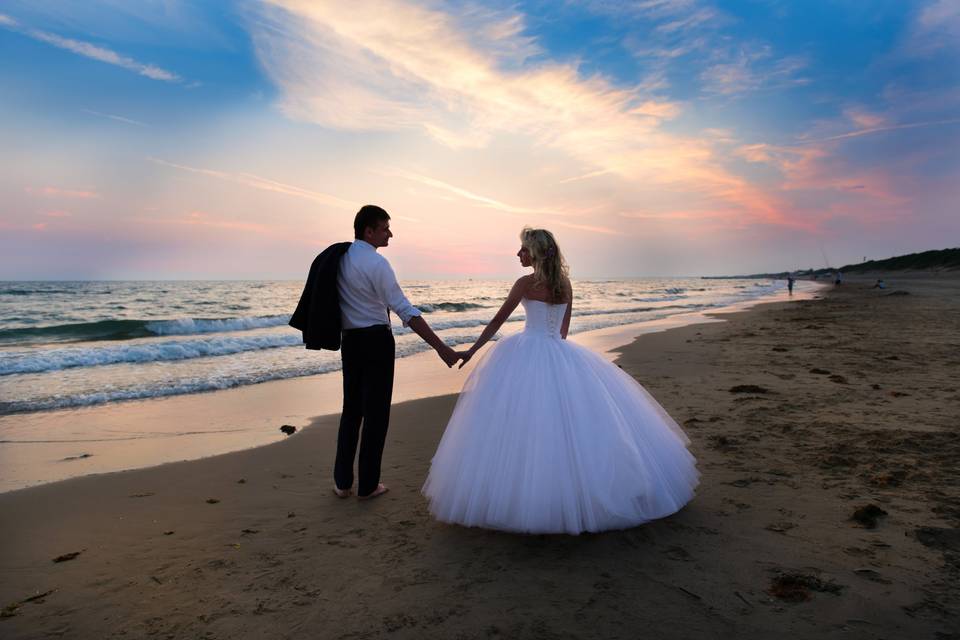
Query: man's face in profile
x,y
380,235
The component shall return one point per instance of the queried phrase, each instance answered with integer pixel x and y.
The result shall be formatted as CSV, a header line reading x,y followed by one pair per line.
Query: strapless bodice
x,y
543,317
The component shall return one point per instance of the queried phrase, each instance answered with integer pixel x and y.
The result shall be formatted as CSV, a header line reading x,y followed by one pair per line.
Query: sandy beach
x,y
801,415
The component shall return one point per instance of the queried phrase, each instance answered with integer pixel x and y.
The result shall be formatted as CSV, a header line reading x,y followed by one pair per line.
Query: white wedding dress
x,y
549,437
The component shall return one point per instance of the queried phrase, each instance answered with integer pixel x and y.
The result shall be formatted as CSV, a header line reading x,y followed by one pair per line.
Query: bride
x,y
548,436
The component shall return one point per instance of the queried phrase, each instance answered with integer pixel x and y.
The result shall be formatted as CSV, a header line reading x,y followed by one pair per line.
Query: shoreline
x,y
188,550
52,446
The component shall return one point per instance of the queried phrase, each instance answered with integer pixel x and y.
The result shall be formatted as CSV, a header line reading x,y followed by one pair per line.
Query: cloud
x,y
465,194
57,192
882,129
104,55
755,153
690,21
94,52
264,184
662,31
863,118
398,66
936,28
816,184
117,118
751,70
395,66
586,227
203,219
497,205
673,15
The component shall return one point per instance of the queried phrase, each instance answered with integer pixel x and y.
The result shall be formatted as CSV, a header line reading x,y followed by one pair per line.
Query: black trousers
x,y
368,356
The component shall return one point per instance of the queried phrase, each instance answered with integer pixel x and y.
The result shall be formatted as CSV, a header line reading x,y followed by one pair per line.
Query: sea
x,y
79,344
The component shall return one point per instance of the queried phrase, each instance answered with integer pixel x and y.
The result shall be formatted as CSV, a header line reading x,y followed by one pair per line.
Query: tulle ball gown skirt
x,y
549,437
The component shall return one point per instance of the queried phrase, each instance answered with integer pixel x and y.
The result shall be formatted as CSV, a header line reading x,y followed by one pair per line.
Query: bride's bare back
x,y
536,291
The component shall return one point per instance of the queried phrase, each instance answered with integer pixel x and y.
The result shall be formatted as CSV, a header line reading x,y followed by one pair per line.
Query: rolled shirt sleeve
x,y
391,294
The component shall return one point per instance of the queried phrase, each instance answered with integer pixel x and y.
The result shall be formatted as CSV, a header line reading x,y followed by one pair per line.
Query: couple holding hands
x,y
546,436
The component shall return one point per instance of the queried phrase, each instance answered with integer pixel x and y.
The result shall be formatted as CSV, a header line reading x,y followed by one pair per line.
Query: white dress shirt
x,y
368,288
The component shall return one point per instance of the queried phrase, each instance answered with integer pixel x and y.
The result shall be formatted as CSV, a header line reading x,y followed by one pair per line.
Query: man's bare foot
x,y
379,491
342,493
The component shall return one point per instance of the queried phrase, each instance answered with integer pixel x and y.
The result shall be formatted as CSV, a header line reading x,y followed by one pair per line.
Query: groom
x,y
347,299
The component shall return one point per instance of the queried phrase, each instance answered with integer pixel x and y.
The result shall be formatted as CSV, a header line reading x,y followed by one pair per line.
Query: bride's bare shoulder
x,y
524,282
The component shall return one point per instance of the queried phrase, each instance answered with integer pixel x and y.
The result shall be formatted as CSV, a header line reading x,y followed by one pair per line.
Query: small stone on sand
x,y
748,388
867,515
796,587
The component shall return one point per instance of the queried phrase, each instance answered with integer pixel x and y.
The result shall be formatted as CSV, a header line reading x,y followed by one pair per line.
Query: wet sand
x,y
46,446
800,415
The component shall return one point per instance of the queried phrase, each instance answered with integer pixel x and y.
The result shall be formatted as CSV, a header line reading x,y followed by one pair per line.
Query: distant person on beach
x,y
348,297
839,279
880,284
790,281
548,436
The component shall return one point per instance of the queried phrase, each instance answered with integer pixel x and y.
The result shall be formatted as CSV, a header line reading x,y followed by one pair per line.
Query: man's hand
x,y
448,355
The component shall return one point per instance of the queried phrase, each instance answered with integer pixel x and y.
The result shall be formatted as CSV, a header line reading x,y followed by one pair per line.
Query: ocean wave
x,y
431,307
77,332
132,329
192,326
142,393
198,385
604,312
467,323
41,361
659,298
30,292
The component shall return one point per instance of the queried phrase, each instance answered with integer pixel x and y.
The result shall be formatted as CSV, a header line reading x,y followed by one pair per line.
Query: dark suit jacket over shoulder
x,y
318,313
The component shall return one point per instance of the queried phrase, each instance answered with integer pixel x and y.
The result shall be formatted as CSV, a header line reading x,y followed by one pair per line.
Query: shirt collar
x,y
363,244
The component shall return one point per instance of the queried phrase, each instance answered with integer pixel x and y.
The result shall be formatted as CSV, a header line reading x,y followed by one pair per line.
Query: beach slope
x,y
826,432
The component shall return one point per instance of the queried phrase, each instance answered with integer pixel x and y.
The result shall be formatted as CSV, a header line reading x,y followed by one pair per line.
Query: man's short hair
x,y
370,215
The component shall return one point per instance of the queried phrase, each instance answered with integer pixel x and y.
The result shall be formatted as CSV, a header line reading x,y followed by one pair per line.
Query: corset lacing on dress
x,y
543,317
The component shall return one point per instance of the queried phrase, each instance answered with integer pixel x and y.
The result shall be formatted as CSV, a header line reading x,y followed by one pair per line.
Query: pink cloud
x,y
863,118
57,192
203,220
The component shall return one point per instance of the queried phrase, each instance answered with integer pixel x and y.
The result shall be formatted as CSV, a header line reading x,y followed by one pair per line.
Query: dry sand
x,y
854,402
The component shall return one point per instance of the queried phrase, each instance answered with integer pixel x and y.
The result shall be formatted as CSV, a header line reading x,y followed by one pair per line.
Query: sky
x,y
166,139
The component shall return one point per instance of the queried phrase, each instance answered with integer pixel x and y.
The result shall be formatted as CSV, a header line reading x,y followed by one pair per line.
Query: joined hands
x,y
464,357
451,357
448,355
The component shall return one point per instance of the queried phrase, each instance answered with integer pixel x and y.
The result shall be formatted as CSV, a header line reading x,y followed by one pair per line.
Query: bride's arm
x,y
513,299
565,327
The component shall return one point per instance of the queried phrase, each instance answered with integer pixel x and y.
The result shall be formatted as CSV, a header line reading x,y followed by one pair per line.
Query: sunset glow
x,y
655,137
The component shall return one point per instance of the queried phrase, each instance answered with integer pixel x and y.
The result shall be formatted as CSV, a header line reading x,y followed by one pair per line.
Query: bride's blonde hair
x,y
549,268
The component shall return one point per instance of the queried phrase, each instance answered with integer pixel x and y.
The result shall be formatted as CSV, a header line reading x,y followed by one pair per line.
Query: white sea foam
x,y
226,380
38,361
190,326
192,354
